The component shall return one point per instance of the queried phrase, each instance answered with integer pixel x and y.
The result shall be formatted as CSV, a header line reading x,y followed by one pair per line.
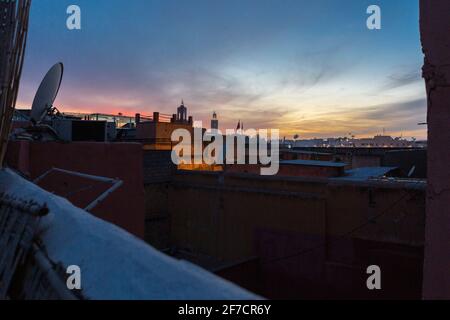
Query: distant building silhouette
x,y
214,122
182,113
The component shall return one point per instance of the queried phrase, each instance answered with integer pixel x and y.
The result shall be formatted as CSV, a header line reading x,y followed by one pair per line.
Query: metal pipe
x,y
94,203
116,184
74,173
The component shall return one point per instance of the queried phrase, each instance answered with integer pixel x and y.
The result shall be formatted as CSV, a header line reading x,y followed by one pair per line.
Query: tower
x,y
214,122
182,113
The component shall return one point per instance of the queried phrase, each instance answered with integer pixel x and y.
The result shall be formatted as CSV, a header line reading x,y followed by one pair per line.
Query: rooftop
x,y
313,163
306,152
366,173
116,264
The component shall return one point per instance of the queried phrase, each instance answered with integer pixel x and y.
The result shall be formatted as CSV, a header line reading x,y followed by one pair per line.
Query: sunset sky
x,y
305,67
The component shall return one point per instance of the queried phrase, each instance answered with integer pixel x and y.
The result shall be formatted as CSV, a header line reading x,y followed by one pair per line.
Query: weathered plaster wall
x,y
125,207
435,33
234,217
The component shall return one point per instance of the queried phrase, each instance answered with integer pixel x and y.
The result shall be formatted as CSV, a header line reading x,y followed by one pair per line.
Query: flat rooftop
x,y
366,173
313,163
306,152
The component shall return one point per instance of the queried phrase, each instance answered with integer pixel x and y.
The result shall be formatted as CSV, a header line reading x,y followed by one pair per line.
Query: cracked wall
x,y
435,34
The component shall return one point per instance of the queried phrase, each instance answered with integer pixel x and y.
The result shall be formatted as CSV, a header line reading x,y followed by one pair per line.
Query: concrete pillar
x,y
435,34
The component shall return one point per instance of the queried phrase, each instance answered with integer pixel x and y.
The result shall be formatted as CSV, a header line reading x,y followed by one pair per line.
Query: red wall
x,y
125,207
435,24
302,266
286,155
309,171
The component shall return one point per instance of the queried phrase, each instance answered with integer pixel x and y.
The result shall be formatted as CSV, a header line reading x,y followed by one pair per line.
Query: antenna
x,y
47,92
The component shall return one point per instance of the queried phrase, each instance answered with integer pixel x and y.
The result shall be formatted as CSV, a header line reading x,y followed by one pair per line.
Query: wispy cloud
x,y
300,66
401,79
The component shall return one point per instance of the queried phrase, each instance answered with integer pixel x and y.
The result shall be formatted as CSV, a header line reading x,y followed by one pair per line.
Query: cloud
x,y
402,79
400,116
268,64
396,111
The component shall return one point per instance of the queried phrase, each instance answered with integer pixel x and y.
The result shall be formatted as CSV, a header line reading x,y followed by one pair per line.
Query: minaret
x,y
182,113
214,122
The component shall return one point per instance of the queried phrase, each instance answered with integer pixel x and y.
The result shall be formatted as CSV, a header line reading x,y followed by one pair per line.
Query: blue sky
x,y
306,67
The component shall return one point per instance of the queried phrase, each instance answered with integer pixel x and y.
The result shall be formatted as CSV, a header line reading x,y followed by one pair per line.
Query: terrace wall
x,y
314,239
125,207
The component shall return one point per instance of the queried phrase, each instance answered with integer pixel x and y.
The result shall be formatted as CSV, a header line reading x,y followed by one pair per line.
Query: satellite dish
x,y
46,94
